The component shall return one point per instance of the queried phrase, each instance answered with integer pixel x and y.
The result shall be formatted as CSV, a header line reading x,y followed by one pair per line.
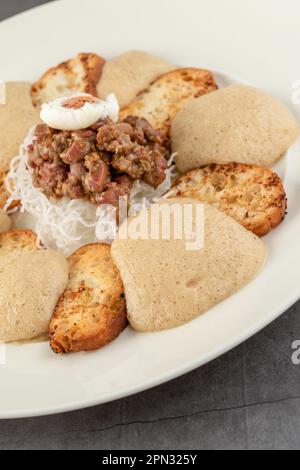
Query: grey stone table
x,y
249,398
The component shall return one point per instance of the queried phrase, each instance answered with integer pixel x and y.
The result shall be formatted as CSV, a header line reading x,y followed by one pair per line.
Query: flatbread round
x,y
30,285
234,124
168,284
17,116
129,74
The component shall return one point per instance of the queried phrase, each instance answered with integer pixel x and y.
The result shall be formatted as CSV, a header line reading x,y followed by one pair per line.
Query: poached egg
x,y
78,111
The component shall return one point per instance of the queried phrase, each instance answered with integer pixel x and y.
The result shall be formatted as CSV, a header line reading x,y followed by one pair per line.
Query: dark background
x,y
249,398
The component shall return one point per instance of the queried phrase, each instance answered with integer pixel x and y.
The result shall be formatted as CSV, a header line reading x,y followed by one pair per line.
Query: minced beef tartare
x,y
98,164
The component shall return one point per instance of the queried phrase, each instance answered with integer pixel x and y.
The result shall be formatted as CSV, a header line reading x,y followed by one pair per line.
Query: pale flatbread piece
x,y
234,124
30,284
167,285
129,74
17,116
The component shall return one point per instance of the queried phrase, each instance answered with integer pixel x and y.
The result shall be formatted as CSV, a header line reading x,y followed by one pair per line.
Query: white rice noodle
x,y
66,224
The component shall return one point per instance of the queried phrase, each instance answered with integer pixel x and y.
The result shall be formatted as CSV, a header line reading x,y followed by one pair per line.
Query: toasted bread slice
x,y
165,97
5,221
252,195
91,312
80,74
25,240
4,194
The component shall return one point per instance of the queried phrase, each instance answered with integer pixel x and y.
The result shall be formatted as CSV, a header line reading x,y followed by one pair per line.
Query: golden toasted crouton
x,y
25,240
78,75
4,194
91,312
165,97
5,221
252,195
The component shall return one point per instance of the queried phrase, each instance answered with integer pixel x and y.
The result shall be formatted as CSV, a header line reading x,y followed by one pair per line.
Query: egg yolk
x,y
78,102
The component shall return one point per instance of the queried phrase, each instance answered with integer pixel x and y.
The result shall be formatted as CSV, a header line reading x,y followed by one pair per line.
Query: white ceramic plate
x,y
34,381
